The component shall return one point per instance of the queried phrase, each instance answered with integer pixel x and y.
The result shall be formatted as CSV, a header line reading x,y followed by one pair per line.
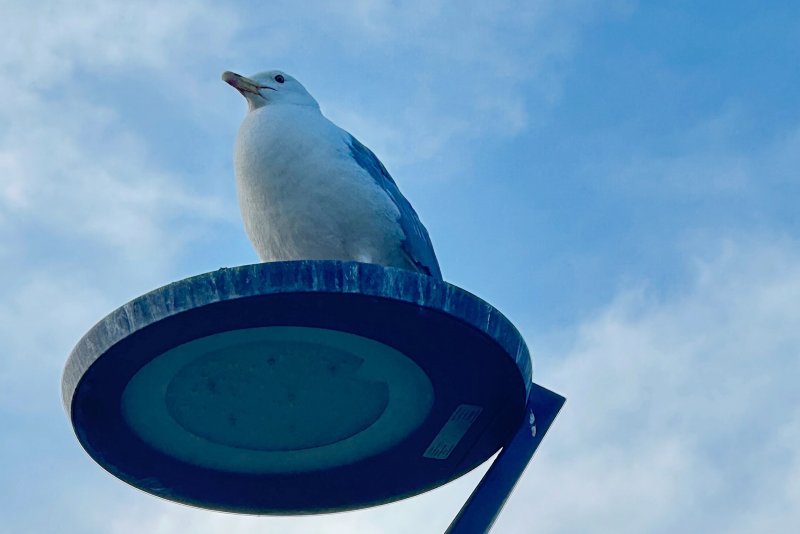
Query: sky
x,y
619,178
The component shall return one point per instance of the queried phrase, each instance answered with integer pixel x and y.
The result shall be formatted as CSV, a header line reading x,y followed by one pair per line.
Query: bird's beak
x,y
240,83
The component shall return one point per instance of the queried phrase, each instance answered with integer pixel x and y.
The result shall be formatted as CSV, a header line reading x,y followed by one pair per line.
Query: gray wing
x,y
417,244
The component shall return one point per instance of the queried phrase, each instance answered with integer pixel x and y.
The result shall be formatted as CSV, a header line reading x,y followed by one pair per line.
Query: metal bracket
x,y
484,505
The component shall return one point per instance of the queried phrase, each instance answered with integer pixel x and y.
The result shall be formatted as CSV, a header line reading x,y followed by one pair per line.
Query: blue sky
x,y
619,178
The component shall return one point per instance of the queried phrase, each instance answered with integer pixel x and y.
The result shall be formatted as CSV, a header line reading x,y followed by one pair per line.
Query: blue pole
x,y
482,508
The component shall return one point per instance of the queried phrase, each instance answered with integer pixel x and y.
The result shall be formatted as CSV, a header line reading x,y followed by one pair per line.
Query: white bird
x,y
309,190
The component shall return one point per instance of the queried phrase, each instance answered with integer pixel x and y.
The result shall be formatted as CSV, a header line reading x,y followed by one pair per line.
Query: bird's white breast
x,y
303,196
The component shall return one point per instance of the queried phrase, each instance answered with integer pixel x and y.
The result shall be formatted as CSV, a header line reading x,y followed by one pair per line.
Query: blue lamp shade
x,y
297,387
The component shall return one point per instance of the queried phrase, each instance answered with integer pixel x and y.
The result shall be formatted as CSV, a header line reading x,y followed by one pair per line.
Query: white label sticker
x,y
452,431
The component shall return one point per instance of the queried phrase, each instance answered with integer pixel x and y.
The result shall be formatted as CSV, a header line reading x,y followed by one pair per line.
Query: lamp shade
x,y
297,387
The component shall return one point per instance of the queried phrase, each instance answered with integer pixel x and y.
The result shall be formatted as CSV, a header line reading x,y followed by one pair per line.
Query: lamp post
x,y
308,387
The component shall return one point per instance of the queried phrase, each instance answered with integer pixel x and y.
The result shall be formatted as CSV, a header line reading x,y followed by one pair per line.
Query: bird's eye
x,y
279,78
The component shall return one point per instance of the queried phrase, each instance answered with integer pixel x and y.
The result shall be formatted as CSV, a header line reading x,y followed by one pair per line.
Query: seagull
x,y
310,190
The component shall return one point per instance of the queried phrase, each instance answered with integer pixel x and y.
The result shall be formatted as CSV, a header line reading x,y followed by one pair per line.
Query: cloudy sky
x,y
619,178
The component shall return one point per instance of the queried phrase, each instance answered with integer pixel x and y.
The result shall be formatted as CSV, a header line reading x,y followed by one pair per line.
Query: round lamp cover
x,y
297,387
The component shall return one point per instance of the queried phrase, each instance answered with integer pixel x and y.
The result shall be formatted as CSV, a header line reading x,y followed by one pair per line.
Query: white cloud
x,y
45,42
58,177
38,322
428,513
683,411
85,210
449,74
72,172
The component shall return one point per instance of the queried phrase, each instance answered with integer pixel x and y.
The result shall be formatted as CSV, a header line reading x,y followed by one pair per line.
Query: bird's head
x,y
270,87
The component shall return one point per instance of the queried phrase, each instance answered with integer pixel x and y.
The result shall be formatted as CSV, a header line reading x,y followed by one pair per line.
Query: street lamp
x,y
308,387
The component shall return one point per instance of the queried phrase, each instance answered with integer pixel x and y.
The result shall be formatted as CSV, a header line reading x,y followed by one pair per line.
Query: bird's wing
x,y
417,244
